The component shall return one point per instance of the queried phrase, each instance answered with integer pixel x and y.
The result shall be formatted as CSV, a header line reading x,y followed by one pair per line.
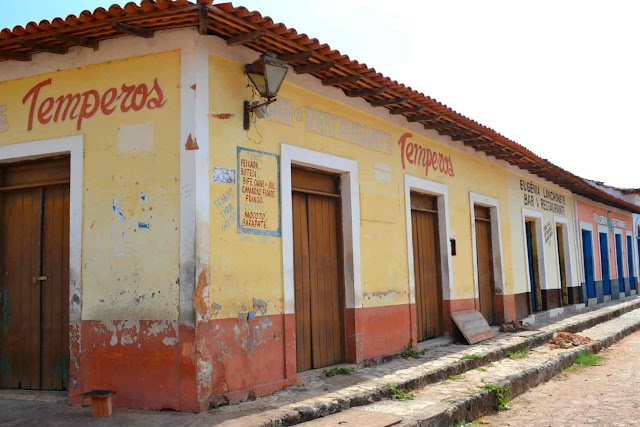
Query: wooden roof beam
x,y
387,101
312,68
407,110
294,57
335,81
365,92
467,137
422,117
203,20
438,126
77,41
249,37
44,47
132,30
477,142
523,161
454,132
506,156
15,56
488,150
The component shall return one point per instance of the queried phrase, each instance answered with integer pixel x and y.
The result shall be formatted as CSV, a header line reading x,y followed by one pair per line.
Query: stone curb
x,y
299,414
484,402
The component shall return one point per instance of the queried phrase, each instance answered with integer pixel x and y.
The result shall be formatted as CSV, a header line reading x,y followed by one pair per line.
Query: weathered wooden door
x,y
318,270
532,264
426,264
34,275
562,265
484,257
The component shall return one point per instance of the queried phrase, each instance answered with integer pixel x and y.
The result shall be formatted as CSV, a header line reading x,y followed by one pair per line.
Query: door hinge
x,y
39,279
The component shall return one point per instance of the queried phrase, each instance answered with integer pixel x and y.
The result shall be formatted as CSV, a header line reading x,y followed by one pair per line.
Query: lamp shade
x,y
267,74
259,82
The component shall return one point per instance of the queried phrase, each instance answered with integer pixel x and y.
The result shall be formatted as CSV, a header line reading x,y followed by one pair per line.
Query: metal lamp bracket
x,y
249,109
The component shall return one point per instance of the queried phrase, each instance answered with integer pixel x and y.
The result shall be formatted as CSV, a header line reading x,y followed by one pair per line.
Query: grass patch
x,y
520,354
501,395
472,357
482,369
588,359
409,352
456,377
399,394
338,371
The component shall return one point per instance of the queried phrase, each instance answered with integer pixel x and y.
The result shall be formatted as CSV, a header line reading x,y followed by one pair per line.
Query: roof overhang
x,y
240,26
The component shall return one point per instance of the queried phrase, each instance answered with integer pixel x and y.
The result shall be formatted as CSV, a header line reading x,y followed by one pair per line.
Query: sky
x,y
559,77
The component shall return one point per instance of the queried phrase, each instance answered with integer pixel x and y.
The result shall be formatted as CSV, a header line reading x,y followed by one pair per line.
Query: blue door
x,y
604,264
632,276
531,265
619,263
587,252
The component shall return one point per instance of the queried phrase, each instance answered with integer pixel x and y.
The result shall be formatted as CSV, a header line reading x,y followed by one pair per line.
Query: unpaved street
x,y
604,395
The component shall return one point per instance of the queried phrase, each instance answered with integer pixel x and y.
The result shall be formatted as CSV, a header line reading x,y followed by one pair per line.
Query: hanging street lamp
x,y
266,74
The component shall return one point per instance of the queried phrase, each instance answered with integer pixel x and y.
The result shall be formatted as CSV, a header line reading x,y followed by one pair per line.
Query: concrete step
x,y
532,319
355,418
370,385
463,398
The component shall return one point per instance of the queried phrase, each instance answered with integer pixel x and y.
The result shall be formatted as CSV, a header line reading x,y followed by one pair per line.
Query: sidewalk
x,y
324,396
463,398
317,396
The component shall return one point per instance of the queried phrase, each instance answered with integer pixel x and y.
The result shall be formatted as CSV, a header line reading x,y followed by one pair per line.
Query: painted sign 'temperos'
x,y
425,157
81,106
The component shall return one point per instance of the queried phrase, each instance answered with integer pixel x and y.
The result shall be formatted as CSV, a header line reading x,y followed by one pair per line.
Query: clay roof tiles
x,y
226,20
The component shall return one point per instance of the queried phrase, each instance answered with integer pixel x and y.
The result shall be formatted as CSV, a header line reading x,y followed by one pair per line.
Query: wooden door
x,y
562,265
604,263
317,256
426,264
532,264
619,263
587,257
34,244
632,276
484,257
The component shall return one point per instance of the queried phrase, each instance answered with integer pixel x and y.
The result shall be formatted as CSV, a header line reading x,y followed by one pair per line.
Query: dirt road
x,y
605,395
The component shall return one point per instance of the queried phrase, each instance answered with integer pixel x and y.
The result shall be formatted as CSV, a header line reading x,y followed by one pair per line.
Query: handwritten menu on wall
x,y
258,181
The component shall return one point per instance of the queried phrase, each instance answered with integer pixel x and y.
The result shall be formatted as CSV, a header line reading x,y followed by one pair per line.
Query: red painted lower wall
x,y
506,308
138,359
158,365
382,330
244,357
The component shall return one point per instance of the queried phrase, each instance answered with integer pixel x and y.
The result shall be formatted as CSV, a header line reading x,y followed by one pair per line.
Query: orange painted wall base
x,y
160,365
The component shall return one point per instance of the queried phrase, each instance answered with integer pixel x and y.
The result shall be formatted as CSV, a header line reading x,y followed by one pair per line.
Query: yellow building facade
x,y
210,264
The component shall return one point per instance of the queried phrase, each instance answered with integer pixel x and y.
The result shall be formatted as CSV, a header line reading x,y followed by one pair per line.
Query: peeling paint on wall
x,y
169,341
215,308
260,306
199,296
224,175
191,143
380,294
223,116
117,210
